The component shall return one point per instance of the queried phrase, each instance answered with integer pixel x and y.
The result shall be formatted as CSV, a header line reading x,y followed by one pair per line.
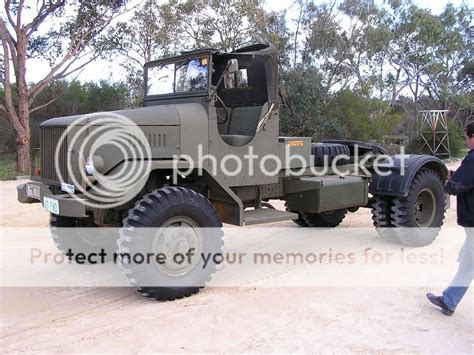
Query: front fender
x,y
403,170
228,205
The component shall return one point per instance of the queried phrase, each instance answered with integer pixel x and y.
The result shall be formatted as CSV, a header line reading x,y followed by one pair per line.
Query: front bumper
x,y
34,191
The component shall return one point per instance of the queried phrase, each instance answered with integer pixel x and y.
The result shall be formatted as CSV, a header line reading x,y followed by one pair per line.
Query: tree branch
x,y
19,10
76,46
9,16
11,115
42,106
43,13
39,87
6,36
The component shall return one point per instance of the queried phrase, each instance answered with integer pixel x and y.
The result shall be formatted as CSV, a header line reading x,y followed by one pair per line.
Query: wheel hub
x,y
180,240
425,208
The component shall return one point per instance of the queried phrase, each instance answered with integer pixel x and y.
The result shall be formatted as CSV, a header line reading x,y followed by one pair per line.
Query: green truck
x,y
210,153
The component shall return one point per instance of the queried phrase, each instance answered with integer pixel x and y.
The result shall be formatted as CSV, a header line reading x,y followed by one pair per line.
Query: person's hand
x,y
450,175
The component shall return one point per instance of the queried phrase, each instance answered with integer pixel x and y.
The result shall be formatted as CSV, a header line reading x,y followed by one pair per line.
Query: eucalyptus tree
x,y
149,34
341,43
453,55
68,37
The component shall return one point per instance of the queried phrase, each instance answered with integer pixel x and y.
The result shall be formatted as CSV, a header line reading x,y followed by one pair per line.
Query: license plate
x,y
51,205
32,191
67,188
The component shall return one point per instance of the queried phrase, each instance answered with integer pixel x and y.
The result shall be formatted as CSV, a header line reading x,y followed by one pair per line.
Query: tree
x,y
408,49
221,24
341,44
71,37
150,34
452,56
271,27
158,30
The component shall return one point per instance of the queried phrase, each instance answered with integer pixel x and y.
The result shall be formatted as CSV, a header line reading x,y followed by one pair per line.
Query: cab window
x,y
189,75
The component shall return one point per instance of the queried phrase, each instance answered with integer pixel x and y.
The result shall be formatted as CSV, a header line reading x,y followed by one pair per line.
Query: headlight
x,y
94,164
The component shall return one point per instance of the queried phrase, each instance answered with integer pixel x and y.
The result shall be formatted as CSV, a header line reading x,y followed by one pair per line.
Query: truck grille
x,y
49,140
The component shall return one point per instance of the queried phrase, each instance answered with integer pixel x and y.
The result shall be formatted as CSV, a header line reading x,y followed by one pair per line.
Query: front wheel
x,y
167,223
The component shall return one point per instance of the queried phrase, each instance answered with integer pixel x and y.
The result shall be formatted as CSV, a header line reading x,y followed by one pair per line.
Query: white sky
x,y
102,69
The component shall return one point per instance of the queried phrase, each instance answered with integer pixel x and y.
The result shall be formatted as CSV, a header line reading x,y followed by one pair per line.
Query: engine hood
x,y
166,115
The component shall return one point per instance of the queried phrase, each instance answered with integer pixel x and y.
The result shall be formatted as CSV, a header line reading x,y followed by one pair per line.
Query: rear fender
x,y
397,184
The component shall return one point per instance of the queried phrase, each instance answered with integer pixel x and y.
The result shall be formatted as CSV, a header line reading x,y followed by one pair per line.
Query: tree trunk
x,y
23,161
22,138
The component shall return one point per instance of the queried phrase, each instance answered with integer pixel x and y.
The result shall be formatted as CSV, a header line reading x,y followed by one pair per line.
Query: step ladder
x,y
266,215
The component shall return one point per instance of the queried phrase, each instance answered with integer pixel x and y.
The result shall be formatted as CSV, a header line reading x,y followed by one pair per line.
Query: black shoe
x,y
437,301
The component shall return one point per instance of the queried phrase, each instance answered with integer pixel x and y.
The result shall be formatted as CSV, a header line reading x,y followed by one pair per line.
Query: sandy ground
x,y
254,319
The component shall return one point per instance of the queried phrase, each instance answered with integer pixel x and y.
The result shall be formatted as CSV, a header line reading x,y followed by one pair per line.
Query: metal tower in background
x,y
434,132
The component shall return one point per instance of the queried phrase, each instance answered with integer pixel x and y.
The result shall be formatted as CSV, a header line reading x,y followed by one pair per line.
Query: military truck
x,y
222,104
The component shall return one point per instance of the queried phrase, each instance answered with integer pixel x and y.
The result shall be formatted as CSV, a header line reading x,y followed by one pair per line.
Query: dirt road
x,y
308,319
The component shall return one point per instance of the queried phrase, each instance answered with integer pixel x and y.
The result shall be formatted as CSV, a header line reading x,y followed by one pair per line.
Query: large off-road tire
x,y
381,212
417,218
148,228
72,234
324,219
299,221
422,210
381,217
331,150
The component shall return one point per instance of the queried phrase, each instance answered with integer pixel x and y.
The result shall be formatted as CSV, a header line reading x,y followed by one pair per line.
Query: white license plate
x,y
33,191
67,188
51,205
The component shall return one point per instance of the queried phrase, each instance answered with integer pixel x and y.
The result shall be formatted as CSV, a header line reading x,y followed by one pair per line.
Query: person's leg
x,y
461,281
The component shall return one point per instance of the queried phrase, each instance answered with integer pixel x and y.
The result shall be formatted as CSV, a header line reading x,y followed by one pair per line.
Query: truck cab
x,y
240,105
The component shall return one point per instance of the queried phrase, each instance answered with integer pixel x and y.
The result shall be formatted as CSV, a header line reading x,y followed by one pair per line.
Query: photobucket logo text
x,y
288,164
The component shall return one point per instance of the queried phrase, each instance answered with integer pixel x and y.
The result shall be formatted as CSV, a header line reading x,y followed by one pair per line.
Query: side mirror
x,y
233,66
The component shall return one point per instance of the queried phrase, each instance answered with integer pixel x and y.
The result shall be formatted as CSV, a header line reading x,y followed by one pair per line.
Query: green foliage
x,y
70,99
456,139
79,98
7,166
347,116
386,49
360,117
7,137
303,93
76,27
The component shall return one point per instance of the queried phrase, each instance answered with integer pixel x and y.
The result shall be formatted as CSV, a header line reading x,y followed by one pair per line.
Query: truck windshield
x,y
189,75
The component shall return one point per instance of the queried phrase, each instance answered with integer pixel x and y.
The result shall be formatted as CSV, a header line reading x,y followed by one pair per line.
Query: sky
x,y
102,69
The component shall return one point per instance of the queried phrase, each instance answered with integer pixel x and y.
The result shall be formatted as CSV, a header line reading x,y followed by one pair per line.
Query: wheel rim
x,y
425,208
178,235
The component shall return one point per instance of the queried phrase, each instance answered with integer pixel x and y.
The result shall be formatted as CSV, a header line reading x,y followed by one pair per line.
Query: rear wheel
x,y
299,221
324,219
168,222
422,210
381,210
416,218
